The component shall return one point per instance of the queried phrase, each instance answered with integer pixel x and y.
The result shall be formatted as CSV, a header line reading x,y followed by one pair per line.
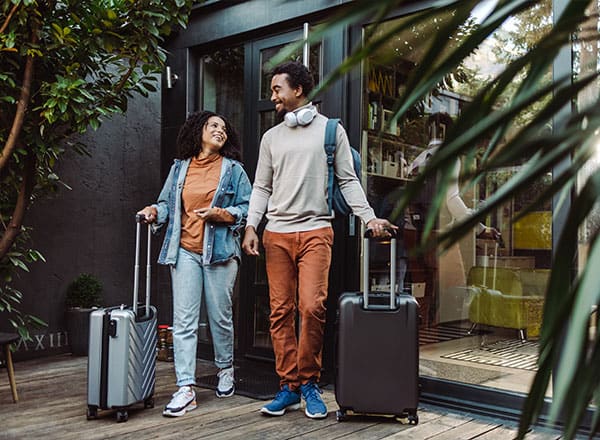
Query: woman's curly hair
x,y
189,139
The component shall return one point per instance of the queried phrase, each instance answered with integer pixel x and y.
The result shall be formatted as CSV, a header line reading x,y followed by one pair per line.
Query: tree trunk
x,y
15,130
16,221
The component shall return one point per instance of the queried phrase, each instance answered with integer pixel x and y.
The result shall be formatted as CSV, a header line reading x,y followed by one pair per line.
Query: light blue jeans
x,y
190,280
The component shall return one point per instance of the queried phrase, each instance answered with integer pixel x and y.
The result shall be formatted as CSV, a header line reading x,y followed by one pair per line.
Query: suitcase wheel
x,y
340,415
402,419
149,402
122,416
410,418
92,412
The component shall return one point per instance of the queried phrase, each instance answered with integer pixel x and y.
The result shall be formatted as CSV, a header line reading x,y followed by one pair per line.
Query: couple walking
x,y
207,202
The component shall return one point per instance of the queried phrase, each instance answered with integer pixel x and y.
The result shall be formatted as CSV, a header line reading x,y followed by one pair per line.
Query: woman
x,y
451,266
204,203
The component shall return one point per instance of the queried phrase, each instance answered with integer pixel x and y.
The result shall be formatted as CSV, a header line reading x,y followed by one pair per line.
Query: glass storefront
x,y
585,62
481,300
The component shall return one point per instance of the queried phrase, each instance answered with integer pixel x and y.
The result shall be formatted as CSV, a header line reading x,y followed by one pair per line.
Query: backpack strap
x,y
330,144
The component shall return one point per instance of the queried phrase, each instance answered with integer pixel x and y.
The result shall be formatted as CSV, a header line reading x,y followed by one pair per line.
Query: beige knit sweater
x,y
290,186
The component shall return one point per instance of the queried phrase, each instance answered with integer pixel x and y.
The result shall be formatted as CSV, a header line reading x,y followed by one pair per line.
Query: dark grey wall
x,y
221,20
91,228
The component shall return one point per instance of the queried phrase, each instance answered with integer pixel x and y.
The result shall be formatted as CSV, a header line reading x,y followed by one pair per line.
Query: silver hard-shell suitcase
x,y
122,350
377,356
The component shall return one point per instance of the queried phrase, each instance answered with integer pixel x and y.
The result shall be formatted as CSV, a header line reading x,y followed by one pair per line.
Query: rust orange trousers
x,y
298,270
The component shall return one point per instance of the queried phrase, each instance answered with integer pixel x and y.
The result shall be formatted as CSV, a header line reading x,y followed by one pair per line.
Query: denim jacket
x,y
221,241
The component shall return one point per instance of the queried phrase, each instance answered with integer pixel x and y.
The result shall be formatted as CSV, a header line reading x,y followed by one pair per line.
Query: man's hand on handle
x,y
250,243
381,227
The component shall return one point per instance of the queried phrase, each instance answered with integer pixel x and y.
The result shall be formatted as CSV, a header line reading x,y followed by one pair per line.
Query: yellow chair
x,y
6,340
509,298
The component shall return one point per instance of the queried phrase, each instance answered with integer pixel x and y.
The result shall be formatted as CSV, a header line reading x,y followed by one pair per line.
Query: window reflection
x,y
481,300
267,54
222,84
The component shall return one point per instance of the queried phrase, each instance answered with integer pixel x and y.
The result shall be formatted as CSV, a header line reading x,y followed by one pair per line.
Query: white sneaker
x,y
183,400
226,386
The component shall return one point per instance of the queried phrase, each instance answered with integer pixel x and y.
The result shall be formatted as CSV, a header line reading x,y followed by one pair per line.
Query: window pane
x,y
267,54
222,78
586,58
222,84
480,298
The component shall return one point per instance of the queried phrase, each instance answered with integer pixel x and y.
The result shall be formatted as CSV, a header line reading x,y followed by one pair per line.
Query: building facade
x,y
480,302
476,352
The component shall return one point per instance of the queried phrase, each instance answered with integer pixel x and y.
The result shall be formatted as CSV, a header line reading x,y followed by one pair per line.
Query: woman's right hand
x,y
150,213
490,233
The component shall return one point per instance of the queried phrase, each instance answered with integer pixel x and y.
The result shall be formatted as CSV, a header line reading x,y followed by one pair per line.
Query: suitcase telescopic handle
x,y
139,219
369,234
367,237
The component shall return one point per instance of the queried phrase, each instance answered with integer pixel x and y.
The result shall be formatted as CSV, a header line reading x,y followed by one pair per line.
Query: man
x,y
290,188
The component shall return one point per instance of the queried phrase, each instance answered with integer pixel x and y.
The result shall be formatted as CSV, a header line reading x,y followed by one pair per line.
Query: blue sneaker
x,y
285,399
315,407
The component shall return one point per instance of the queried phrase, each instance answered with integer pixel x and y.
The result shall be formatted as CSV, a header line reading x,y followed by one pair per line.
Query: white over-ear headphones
x,y
301,117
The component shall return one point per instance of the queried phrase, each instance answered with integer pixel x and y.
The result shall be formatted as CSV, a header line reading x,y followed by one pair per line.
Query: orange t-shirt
x,y
199,189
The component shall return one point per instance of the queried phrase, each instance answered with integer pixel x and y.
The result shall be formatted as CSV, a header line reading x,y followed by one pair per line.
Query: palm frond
x,y
548,142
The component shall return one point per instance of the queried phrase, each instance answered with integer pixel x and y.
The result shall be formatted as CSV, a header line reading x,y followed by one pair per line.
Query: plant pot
x,y
78,328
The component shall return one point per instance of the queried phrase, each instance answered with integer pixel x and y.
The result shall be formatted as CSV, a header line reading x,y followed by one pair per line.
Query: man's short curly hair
x,y
297,75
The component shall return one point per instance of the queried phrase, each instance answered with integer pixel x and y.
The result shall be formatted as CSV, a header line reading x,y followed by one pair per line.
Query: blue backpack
x,y
335,199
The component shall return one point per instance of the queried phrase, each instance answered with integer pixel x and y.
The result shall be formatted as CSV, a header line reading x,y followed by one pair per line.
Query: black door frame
x,y
451,394
346,244
254,105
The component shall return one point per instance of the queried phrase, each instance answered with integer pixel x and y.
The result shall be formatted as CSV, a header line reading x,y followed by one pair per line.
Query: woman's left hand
x,y
207,214
215,215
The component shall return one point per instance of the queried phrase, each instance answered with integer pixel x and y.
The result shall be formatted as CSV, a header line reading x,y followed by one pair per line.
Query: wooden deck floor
x,y
53,405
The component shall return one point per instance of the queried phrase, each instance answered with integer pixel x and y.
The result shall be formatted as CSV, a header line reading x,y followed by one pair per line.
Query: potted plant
x,y
84,294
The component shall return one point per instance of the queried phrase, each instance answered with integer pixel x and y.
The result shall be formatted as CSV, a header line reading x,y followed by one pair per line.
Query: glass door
x,y
220,74
254,335
480,301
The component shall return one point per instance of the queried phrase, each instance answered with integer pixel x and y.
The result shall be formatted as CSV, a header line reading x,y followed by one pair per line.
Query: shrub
x,y
84,291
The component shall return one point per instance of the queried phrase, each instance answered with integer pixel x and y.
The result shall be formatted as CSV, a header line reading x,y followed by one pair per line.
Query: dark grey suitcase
x,y
377,364
122,350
